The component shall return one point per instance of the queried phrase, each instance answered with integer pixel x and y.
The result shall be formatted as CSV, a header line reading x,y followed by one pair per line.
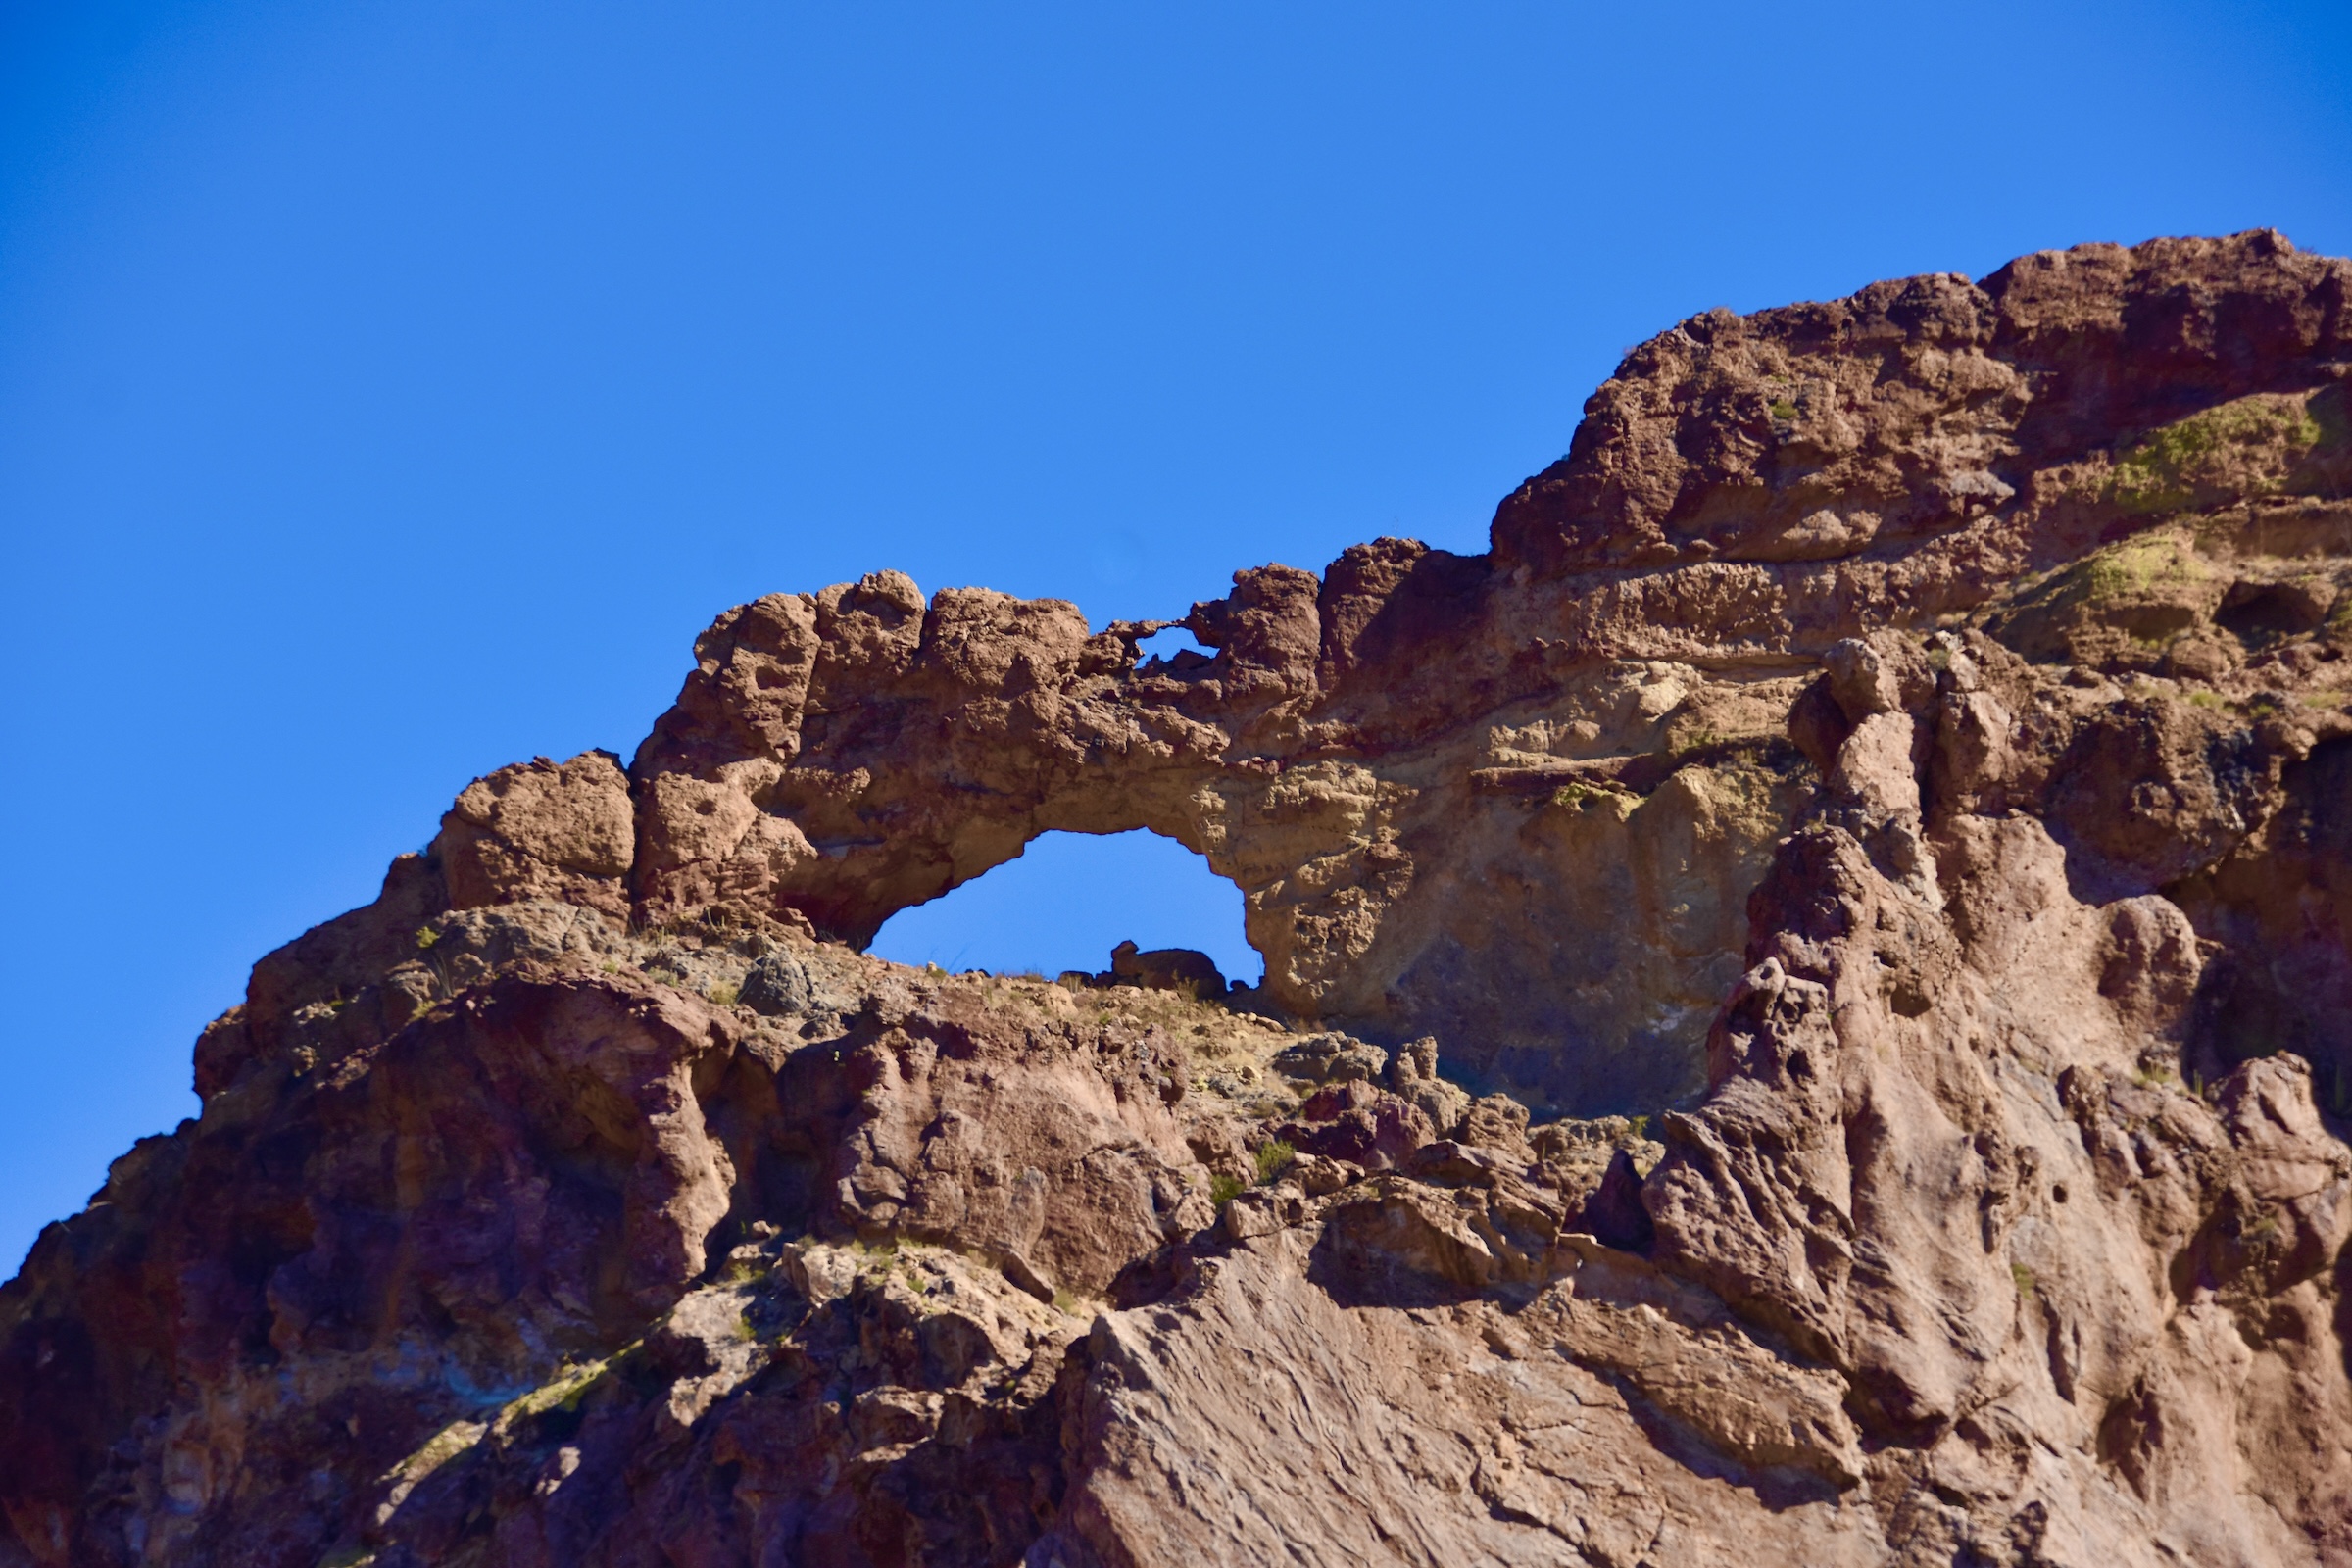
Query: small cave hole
x,y
2257,610
1067,899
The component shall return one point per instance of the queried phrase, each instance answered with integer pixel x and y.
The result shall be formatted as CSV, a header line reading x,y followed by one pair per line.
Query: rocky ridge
x,y
1805,1021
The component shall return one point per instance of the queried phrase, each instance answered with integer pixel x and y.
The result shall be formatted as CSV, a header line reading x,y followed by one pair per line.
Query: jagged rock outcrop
x,y
1805,1021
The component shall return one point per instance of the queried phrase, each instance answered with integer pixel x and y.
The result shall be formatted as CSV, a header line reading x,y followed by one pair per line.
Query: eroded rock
x,y
1804,1022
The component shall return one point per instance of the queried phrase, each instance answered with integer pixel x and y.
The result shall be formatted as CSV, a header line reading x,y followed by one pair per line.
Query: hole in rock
x,y
1170,643
1067,899
2260,611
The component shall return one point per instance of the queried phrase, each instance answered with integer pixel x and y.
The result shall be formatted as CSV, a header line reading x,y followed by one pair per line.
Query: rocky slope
x,y
1808,1018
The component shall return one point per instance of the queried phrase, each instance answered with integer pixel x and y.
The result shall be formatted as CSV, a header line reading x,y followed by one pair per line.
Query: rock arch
x,y
1562,923
1517,801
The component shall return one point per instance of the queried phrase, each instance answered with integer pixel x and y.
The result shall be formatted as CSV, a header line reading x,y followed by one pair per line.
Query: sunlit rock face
x,y
1805,1021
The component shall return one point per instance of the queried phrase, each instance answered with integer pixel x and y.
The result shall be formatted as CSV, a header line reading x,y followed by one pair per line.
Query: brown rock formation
x,y
1901,757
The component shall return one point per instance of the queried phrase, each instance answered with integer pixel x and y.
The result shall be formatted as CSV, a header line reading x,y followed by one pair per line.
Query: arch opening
x,y
1066,899
1171,644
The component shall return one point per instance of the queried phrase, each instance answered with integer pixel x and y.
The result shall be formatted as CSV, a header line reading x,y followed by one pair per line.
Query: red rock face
x,y
1805,1021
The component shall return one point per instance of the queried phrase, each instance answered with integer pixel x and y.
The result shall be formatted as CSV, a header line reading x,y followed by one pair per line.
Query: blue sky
x,y
391,391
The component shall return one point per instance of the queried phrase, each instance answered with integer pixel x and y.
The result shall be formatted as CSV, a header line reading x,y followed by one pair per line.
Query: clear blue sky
x,y
389,391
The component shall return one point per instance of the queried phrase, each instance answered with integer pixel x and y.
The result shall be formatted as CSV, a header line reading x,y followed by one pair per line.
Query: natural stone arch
x,y
1517,801
849,754
842,755
531,1156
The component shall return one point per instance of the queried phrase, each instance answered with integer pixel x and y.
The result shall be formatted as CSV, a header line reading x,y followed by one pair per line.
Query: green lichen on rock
x,y
2143,590
1578,796
2241,449
2134,566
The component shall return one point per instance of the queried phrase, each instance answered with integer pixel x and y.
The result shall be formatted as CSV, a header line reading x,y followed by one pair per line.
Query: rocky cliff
x,y
1808,1018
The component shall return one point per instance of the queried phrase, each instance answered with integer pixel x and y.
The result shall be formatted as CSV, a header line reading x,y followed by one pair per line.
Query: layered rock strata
x,y
1805,1021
